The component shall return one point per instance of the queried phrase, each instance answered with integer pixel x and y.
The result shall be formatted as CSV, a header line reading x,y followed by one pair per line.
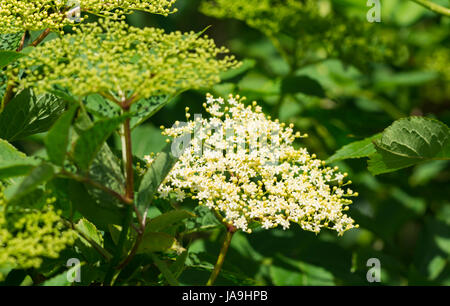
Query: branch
x,y
22,42
116,266
41,37
84,179
434,7
129,161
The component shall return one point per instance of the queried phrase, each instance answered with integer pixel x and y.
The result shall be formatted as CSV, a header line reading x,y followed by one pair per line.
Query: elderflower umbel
x,y
27,235
26,15
313,25
120,61
243,165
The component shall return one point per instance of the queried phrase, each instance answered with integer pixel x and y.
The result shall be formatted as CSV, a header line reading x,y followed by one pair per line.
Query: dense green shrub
x,y
86,175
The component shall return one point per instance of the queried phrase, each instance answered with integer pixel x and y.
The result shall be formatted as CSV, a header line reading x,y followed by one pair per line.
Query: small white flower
x,y
247,168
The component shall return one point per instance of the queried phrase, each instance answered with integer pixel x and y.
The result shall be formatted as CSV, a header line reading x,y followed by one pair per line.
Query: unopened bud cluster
x,y
119,61
27,235
25,15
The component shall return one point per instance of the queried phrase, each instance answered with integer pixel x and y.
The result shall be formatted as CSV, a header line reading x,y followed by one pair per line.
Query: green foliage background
x,y
404,215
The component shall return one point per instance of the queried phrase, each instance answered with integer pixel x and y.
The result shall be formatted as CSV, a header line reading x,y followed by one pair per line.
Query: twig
x,y
129,162
41,37
434,7
22,42
84,179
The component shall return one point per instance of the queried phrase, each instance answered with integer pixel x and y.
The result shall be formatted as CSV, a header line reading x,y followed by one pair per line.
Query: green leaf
x,y
57,138
205,220
8,57
410,141
257,84
433,248
13,162
10,41
146,108
102,108
38,176
180,264
141,110
424,173
167,219
285,277
247,64
302,84
27,114
157,242
83,202
16,277
146,139
90,231
91,140
154,176
64,95
162,266
411,78
357,149
289,272
105,169
62,279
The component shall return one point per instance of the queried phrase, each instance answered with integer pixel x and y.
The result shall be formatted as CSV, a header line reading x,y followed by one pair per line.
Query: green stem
x,y
434,7
129,160
112,271
87,180
115,268
223,252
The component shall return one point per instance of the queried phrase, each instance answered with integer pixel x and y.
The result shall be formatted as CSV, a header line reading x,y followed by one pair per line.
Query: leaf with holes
x,y
10,41
146,108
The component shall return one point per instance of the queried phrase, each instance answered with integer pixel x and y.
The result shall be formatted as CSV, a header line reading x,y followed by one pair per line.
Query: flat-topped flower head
x,y
23,15
121,61
28,235
243,165
309,28
269,16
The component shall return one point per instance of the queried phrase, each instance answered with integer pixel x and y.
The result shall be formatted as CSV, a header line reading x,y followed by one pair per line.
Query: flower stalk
x,y
223,252
434,7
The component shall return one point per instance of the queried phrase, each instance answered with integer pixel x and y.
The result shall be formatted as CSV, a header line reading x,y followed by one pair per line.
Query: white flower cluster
x,y
243,165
